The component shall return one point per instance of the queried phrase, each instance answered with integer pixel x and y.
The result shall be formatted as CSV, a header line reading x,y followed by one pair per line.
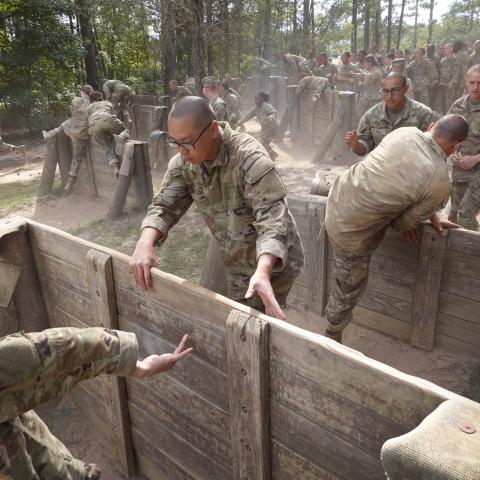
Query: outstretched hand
x,y
260,285
155,364
442,226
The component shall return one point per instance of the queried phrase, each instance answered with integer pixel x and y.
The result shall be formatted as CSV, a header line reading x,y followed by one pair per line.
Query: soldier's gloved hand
x,y
144,258
155,364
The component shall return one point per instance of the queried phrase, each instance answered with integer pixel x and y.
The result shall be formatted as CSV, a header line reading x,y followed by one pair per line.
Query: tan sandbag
x,y
445,446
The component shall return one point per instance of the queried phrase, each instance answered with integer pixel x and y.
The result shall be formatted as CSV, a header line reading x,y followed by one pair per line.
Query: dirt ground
x,y
183,254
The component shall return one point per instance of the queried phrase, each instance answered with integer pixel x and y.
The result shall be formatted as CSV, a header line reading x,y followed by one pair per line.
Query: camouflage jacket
x,y
232,103
114,86
343,83
372,81
182,91
77,124
219,108
98,110
423,73
293,62
435,59
37,367
400,183
449,71
473,59
242,199
315,85
463,58
266,115
325,70
471,146
376,123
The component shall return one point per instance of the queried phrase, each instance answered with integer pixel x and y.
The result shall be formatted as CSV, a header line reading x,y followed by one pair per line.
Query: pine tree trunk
x,y
208,8
366,27
306,25
169,42
198,43
239,33
354,23
378,27
400,24
430,22
226,30
415,27
86,31
389,24
267,21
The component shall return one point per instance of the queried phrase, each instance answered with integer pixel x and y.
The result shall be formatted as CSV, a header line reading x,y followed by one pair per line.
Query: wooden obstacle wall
x,y
258,398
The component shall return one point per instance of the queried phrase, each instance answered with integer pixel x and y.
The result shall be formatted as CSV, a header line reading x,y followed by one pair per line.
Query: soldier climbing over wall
x,y
294,64
399,184
178,91
118,93
38,367
76,128
103,125
239,193
267,116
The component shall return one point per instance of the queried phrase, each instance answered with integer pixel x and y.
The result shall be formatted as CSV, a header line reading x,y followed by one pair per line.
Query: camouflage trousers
x,y
49,457
445,98
79,152
465,203
281,283
351,275
102,131
422,94
266,137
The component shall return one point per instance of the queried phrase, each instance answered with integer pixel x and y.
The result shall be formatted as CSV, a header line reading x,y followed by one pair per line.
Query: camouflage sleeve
x,y
266,193
249,115
432,73
426,117
456,72
171,202
365,135
433,200
106,91
37,367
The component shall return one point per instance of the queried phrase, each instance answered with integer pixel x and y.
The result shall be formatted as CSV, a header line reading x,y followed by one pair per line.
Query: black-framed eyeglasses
x,y
188,146
393,91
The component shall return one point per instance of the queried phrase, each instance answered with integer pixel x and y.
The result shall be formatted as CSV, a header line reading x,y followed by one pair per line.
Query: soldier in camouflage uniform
x,y
191,85
294,64
267,116
178,91
102,126
38,367
233,83
448,78
423,74
399,184
76,128
342,80
239,193
262,67
396,111
233,104
325,69
119,95
399,66
210,91
460,51
314,85
465,202
474,58
371,79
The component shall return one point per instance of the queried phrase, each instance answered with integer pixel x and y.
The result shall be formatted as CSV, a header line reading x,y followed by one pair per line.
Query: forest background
x,y
50,47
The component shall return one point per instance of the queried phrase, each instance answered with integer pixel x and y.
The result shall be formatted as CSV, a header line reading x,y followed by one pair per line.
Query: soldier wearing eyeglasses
x,y
395,111
239,193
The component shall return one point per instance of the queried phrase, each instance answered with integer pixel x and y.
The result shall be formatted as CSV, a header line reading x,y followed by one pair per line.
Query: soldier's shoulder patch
x,y
256,166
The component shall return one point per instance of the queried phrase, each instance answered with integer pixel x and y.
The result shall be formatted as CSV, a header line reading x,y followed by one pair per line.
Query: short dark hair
x,y
198,107
422,50
371,59
457,46
361,52
451,128
88,89
264,96
225,86
396,76
95,96
348,54
390,55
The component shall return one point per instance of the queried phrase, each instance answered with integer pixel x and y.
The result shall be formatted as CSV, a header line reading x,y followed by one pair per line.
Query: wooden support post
x,y
142,194
27,298
213,273
247,352
92,183
102,294
317,255
427,288
49,168
64,156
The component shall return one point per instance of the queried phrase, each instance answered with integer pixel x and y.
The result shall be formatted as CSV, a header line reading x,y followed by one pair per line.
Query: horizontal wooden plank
x,y
199,422
65,274
454,345
171,326
458,328
321,447
195,373
461,286
464,241
352,422
287,465
459,307
76,304
405,399
153,464
462,264
180,451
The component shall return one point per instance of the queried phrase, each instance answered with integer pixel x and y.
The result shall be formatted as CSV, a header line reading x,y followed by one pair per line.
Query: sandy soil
x,y
65,419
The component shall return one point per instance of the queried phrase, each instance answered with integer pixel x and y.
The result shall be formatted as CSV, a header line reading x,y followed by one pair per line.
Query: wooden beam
x,y
104,308
427,288
214,273
247,352
317,255
49,167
